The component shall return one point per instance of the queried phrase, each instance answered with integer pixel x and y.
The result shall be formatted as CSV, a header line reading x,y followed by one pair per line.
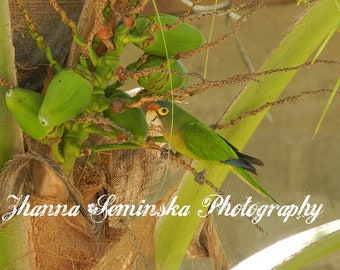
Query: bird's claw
x,y
200,177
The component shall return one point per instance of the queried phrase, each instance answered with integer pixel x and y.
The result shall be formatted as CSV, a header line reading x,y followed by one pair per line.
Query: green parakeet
x,y
191,138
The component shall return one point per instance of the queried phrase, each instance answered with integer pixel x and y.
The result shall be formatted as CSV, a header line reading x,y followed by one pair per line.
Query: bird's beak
x,y
151,114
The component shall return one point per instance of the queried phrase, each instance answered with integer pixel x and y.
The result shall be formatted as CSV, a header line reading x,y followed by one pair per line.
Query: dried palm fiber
x,y
206,244
128,174
52,242
135,250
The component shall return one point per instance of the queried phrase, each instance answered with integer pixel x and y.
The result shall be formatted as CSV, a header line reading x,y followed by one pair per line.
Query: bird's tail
x,y
247,178
244,161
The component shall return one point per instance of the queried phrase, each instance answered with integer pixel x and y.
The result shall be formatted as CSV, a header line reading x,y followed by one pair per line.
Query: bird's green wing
x,y
205,143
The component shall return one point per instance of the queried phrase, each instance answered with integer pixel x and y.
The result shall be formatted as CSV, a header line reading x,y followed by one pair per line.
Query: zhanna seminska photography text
x,y
213,204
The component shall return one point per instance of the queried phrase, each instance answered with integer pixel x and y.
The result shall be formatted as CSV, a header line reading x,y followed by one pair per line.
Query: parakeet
x,y
187,135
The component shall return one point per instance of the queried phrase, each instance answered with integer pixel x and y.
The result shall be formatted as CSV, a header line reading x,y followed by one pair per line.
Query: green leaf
x,y
16,250
296,251
335,89
328,38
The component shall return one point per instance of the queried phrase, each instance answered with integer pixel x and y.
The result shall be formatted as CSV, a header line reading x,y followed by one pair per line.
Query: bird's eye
x,y
163,111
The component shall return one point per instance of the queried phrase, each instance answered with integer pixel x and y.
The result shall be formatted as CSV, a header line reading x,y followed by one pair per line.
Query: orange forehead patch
x,y
153,107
